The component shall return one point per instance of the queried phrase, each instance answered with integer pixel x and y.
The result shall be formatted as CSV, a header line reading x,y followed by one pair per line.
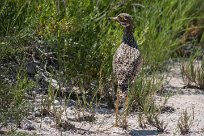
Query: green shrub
x,y
13,103
142,94
84,41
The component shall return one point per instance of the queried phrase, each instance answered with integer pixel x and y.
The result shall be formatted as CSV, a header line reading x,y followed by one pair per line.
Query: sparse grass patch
x,y
185,122
78,45
15,133
141,120
143,90
156,122
13,103
193,73
47,102
142,99
82,107
66,126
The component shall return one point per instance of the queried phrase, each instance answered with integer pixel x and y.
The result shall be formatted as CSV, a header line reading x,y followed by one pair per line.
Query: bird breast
x,y
126,63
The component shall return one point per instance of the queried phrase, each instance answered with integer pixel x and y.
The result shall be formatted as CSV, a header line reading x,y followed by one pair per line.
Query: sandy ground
x,y
181,99
188,99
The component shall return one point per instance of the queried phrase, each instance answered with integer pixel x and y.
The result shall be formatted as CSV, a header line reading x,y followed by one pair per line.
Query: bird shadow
x,y
185,90
192,91
143,132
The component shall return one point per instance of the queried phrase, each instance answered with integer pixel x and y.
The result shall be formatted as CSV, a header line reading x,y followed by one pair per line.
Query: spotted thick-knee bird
x,y
126,60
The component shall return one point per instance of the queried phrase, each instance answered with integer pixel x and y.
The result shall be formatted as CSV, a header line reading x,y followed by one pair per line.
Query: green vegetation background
x,y
83,38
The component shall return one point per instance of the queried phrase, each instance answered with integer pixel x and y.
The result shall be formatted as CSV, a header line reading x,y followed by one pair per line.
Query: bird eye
x,y
121,18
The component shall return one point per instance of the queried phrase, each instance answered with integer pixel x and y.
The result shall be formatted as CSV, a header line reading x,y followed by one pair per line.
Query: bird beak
x,y
113,18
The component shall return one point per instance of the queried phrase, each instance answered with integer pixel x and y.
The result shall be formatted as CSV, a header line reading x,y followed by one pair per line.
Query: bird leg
x,y
116,109
124,124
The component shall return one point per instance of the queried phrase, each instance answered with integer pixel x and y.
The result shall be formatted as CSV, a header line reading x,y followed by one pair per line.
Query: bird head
x,y
124,19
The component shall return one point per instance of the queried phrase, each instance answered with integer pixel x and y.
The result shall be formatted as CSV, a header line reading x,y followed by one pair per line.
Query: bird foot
x,y
121,122
124,125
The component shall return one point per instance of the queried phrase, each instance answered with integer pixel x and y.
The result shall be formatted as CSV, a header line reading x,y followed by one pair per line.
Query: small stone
x,y
47,120
58,107
28,125
37,113
37,120
56,102
71,103
30,117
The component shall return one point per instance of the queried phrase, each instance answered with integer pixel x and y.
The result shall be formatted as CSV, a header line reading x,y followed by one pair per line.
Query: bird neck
x,y
128,37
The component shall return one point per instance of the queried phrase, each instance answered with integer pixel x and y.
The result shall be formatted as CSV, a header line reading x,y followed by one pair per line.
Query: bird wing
x,y
126,63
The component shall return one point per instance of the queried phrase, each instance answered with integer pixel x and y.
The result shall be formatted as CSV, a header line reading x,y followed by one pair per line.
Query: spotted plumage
x,y
126,60
126,63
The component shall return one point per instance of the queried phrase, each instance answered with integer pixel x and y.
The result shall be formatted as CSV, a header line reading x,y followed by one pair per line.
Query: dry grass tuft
x,y
185,122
